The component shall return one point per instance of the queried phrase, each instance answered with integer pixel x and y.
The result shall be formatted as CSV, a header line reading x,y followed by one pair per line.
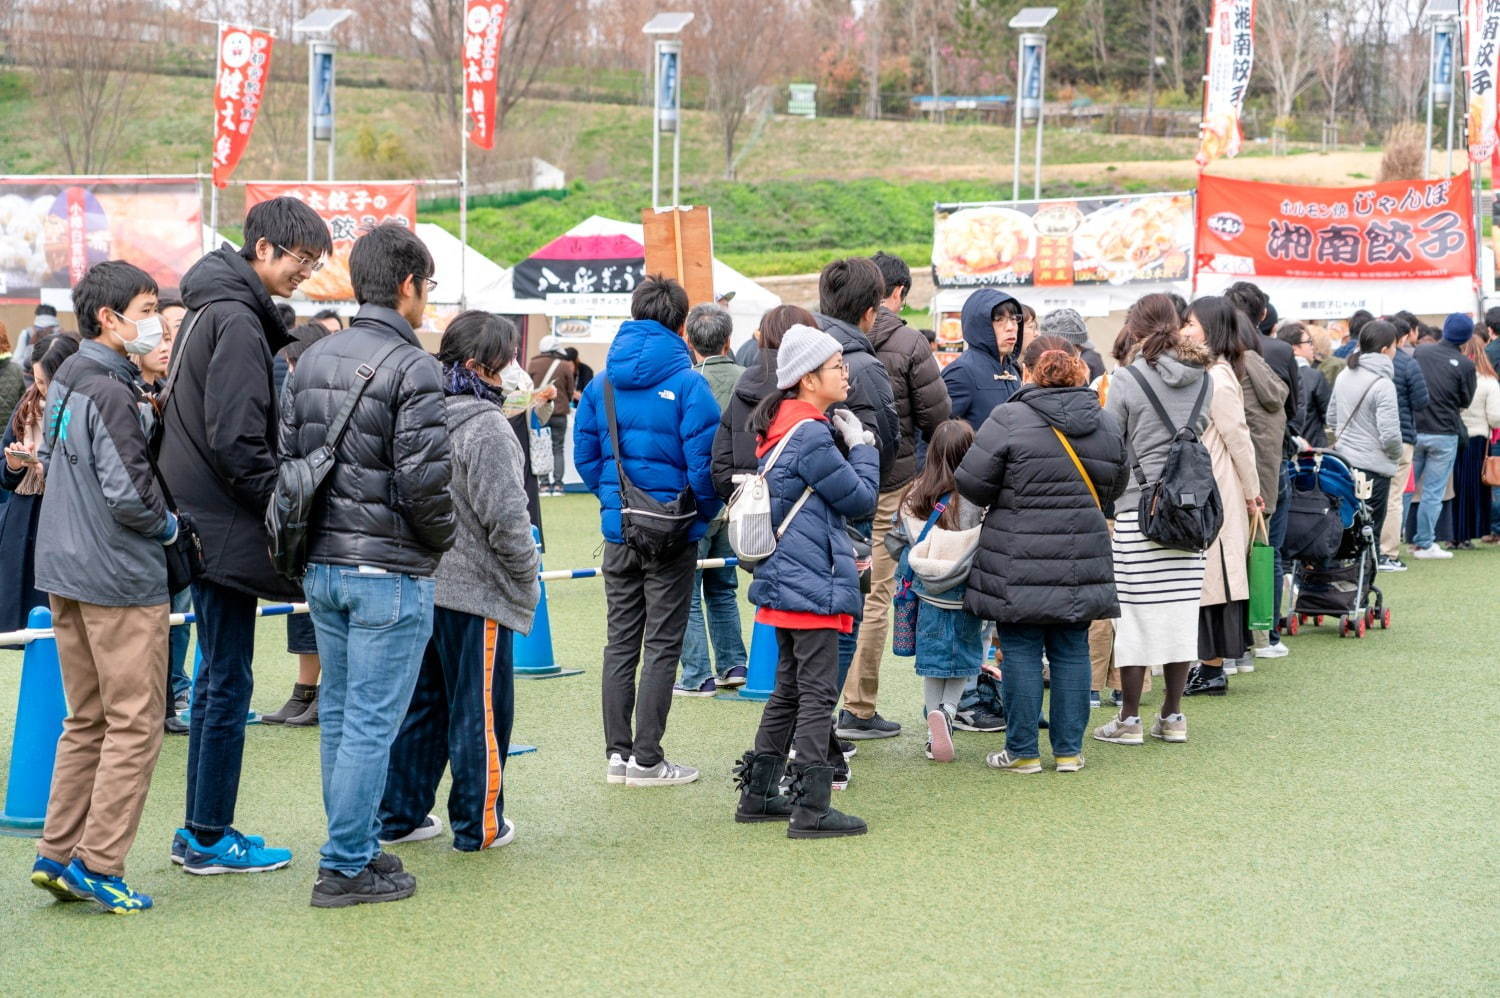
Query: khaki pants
x,y
863,683
114,672
1390,532
1102,658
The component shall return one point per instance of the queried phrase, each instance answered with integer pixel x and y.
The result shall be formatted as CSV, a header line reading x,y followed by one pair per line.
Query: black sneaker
x,y
847,749
335,890
858,728
978,719
389,865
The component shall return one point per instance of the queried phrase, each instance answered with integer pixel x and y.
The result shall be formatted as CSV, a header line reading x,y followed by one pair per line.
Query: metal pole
x,y
677,134
311,111
656,127
1452,96
1041,103
1015,178
1431,58
333,116
463,211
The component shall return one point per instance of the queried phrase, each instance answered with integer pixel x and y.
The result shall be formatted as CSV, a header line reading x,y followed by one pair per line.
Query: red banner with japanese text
x,y
1231,59
244,69
1482,30
1403,229
484,29
350,208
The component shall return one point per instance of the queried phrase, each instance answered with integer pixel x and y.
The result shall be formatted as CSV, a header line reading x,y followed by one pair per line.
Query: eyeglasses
x,y
840,366
431,284
306,263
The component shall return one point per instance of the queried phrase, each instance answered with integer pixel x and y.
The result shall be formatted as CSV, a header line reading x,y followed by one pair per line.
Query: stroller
x,y
1331,542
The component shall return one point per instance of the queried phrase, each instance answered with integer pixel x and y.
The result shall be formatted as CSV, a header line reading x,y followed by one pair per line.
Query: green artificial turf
x,y
1330,828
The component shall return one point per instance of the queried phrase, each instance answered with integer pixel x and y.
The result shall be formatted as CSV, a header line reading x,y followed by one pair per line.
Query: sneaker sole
x,y
350,900
661,781
692,693
1137,740
1177,738
863,734
55,887
213,871
612,778
795,833
1070,767
1019,771
729,684
417,835
961,726
942,741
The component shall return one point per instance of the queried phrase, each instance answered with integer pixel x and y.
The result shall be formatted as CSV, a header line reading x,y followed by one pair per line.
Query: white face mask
x,y
148,333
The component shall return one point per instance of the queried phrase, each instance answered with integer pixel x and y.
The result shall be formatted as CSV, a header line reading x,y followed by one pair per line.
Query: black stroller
x,y
1331,542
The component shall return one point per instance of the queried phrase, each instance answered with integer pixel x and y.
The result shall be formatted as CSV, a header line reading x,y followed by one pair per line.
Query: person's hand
x,y
850,428
14,459
1301,443
547,394
1256,505
990,669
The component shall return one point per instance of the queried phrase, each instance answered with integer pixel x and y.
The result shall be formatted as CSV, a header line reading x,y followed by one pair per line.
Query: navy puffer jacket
x,y
812,569
980,379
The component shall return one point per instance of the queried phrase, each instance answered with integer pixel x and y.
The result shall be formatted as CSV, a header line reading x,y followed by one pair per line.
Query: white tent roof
x,y
486,284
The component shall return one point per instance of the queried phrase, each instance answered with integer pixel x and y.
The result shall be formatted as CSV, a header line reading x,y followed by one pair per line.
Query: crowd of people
x,y
985,518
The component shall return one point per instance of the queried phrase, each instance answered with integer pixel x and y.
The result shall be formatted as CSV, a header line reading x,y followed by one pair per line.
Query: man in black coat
x,y
219,458
1451,382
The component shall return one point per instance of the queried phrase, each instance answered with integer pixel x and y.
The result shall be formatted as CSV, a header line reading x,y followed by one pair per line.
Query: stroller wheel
x,y
1370,618
1359,628
1385,619
1318,620
1343,627
1293,623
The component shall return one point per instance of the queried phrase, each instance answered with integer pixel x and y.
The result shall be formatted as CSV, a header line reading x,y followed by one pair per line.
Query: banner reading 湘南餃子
x,y
243,71
1400,230
350,208
1231,59
484,30
52,230
1482,28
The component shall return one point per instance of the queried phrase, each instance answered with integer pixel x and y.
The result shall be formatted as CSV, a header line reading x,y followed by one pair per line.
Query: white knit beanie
x,y
803,350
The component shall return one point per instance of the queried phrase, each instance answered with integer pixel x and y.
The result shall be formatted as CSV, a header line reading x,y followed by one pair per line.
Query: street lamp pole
x,y
1031,70
666,99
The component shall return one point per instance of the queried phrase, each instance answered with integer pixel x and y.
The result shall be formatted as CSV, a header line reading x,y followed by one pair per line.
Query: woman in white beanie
x,y
808,589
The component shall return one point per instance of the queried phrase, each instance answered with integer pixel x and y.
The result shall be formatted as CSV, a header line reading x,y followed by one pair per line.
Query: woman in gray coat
x,y
1364,416
463,705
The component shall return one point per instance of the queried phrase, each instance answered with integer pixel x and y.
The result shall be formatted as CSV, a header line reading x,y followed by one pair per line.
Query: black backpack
x,y
1182,509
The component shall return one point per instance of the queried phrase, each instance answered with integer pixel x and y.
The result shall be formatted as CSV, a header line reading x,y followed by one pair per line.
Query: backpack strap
x,y
1161,413
364,374
786,521
1067,446
614,430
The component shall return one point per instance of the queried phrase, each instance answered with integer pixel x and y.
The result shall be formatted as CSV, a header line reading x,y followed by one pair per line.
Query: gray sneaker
x,y
1120,731
663,774
1169,730
614,772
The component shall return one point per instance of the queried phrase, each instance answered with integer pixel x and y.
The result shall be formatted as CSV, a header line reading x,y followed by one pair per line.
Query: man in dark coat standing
x,y
219,457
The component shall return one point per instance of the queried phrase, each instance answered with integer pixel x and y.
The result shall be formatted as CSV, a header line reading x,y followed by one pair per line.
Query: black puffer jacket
x,y
218,452
917,383
870,395
1044,551
386,502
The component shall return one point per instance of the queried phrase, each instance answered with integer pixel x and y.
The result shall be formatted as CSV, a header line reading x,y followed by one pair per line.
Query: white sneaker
x,y
506,837
1231,666
614,772
1431,552
1278,650
430,828
663,774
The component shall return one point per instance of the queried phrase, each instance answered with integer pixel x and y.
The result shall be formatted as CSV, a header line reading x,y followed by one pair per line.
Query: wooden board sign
x,y
680,244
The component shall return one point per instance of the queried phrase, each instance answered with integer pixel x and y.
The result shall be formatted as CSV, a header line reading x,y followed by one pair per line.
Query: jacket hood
x,y
1184,365
758,381
1074,411
791,412
849,337
978,331
886,323
224,275
459,409
1268,389
646,353
1379,365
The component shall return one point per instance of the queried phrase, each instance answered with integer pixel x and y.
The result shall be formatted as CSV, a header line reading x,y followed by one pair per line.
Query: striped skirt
x,y
1159,591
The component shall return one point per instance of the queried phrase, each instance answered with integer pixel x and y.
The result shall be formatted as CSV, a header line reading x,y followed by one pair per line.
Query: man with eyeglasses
x,y
219,457
1315,390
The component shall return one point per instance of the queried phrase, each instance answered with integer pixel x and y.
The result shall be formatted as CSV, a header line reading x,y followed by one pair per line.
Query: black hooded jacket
x,y
871,396
219,451
1044,550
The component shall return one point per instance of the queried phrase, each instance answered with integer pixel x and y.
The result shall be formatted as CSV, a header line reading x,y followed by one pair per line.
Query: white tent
x,y
485,284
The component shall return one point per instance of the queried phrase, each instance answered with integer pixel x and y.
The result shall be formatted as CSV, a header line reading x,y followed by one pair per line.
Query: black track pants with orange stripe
x,y
460,715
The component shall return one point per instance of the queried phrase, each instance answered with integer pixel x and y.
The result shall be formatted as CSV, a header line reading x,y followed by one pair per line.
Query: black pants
x,y
221,698
460,716
807,673
647,602
1380,494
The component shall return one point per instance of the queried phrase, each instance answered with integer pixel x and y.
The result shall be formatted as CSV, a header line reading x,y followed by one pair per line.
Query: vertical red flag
x,y
484,28
244,70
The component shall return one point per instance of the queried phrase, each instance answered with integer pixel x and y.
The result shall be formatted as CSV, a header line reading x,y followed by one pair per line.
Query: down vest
x,y
386,503
667,416
1044,551
812,569
921,397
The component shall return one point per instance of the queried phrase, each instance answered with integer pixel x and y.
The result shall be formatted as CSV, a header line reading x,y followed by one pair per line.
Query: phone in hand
x,y
24,456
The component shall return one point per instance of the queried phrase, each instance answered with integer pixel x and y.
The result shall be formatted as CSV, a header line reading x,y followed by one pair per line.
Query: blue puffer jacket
x,y
1411,394
812,569
667,417
980,378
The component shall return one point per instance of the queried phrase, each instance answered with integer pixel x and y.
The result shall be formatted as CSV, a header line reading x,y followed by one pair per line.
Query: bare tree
x,y
1176,20
1333,67
1098,20
94,87
1291,40
870,20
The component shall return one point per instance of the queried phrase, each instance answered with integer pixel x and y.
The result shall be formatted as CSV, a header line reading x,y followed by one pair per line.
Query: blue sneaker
x,y
234,853
110,893
48,875
182,840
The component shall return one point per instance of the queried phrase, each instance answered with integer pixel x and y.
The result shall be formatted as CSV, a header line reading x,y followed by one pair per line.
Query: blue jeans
x,y
177,646
1432,462
372,629
1495,497
718,592
221,698
1067,647
1276,537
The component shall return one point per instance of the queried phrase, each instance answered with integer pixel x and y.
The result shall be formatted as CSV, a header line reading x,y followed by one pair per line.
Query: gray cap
x,y
1067,323
803,351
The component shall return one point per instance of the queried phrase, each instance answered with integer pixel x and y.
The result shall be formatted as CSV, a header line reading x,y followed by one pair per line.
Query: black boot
x,y
1200,683
812,818
302,698
758,777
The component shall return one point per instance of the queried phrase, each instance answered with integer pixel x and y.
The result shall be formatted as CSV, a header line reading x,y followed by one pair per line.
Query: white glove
x,y
851,429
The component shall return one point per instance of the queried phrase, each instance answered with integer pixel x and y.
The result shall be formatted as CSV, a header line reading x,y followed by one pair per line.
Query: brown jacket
x,y
565,377
1265,414
917,383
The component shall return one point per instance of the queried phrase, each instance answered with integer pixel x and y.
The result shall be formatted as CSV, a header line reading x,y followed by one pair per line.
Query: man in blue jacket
x,y
986,373
667,417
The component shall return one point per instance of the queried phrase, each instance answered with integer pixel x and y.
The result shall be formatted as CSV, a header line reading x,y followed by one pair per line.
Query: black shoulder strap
x,y
614,428
1161,413
363,374
179,354
1198,403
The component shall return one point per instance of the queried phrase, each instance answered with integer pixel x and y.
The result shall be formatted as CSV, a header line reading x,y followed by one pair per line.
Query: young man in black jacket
x,y
219,458
383,519
1451,382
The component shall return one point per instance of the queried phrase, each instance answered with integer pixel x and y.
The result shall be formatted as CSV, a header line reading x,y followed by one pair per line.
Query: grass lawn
x,y
1329,829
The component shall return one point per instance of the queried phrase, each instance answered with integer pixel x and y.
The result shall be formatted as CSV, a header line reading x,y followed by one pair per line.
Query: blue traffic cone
x,y
39,719
533,652
761,679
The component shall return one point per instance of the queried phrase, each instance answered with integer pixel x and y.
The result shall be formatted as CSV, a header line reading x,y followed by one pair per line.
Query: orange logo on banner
x,y
484,28
350,209
239,85
1404,229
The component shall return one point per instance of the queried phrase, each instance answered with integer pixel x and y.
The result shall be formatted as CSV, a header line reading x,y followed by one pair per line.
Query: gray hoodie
x,y
491,569
1367,427
1176,383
